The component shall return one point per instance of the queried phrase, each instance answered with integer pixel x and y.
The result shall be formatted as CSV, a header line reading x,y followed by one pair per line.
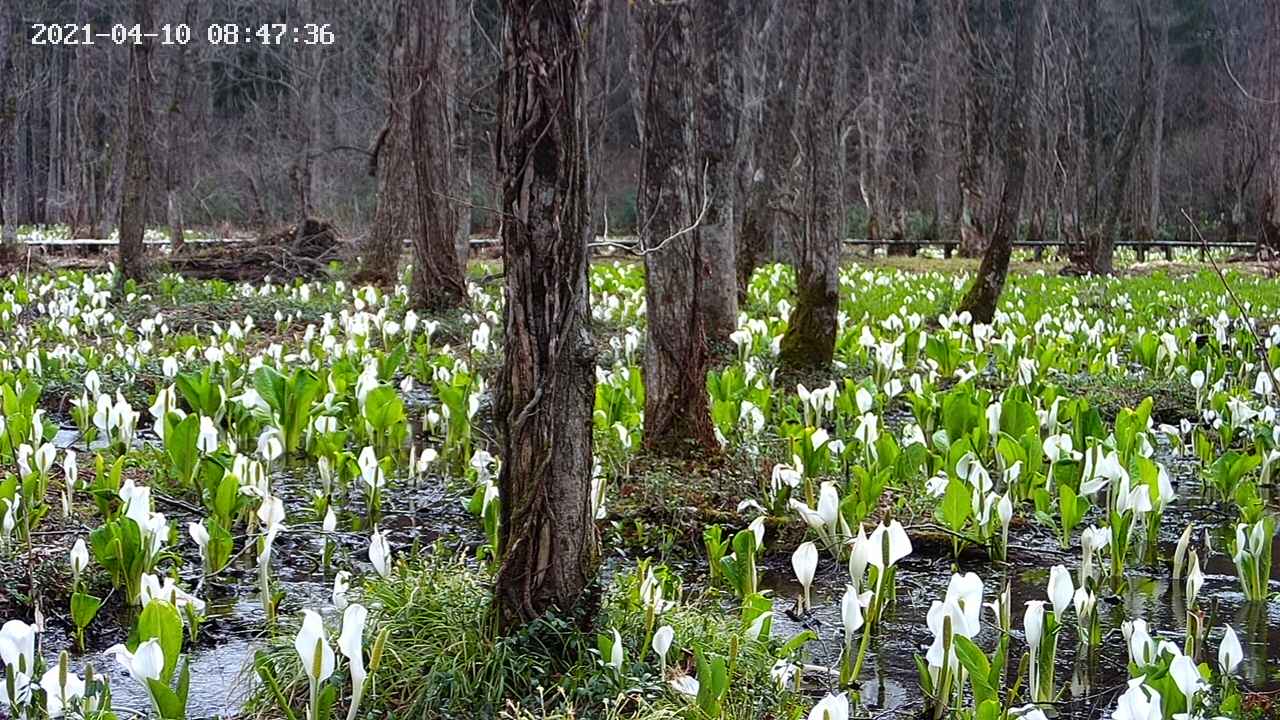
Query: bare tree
x,y
10,45
175,128
546,390
460,90
717,63
389,159
1102,244
676,411
774,148
137,174
811,330
983,295
1271,202
438,282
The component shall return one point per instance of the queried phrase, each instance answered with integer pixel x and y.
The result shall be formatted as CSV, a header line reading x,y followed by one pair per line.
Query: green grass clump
x,y
444,659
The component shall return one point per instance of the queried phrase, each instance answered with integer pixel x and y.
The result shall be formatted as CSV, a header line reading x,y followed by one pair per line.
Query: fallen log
x,y
301,251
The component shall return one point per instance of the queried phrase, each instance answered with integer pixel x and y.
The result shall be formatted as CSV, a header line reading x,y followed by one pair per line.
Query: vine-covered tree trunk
x,y
137,169
546,392
676,411
983,295
717,60
811,331
438,281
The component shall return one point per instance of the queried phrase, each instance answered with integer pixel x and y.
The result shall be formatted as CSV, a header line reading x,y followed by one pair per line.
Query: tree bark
x,y
305,111
9,48
176,158
1103,245
811,330
137,172
717,60
438,282
394,213
1157,130
460,104
1271,194
775,147
983,295
546,392
676,410
392,216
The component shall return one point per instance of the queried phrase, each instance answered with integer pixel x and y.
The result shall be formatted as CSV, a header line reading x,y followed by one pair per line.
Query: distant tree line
x,y
1136,109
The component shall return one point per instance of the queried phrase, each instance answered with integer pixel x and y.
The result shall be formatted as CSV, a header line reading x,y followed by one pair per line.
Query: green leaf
x,y
989,710
1072,507
324,706
956,504
160,620
180,446
84,608
184,680
976,663
272,386
171,707
220,546
797,641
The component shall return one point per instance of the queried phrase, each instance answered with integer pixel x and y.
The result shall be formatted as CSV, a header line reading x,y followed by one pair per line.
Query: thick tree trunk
x,y
389,163
395,210
983,295
717,60
438,281
811,331
546,392
137,173
676,411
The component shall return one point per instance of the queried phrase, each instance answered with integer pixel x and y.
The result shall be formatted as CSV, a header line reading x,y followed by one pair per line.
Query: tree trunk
x,y
1103,245
676,410
9,48
973,214
1157,130
460,103
1271,194
546,392
176,158
389,162
395,209
983,295
775,148
305,111
438,282
717,60
137,172
811,331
